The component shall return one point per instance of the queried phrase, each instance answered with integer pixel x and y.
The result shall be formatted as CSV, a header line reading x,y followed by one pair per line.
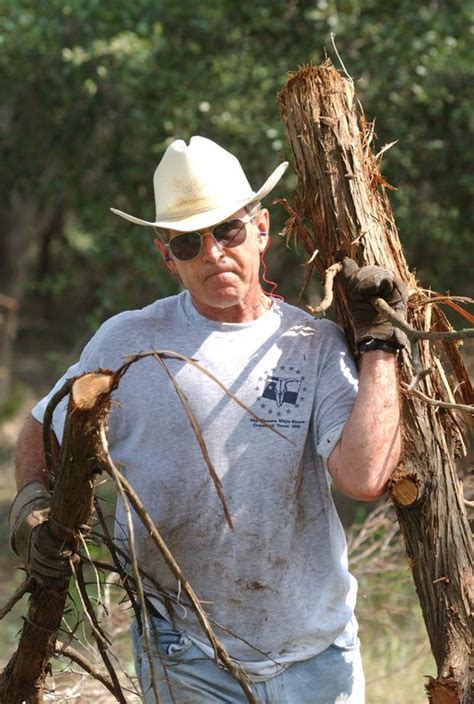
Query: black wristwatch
x,y
372,343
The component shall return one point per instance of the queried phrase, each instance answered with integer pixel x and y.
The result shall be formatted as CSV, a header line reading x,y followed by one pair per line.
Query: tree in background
x,y
94,92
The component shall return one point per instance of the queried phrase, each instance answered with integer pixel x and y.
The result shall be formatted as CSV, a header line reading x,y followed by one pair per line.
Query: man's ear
x,y
169,263
262,221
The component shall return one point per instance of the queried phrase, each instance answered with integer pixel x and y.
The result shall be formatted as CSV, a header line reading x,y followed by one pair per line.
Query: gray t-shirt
x,y
278,584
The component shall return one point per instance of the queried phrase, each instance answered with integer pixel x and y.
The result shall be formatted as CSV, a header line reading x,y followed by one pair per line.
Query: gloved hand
x,y
362,284
45,556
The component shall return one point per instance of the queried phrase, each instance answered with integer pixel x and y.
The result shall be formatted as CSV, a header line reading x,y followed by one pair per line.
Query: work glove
x,y
363,283
46,557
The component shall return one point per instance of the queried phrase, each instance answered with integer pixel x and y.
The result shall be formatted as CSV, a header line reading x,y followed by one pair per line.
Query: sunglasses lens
x,y
185,246
188,245
230,233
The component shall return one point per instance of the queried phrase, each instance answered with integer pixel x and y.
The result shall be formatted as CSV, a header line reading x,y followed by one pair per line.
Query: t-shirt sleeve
x,y
336,389
90,360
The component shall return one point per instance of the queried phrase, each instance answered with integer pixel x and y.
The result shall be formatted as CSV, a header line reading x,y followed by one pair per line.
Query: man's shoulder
x,y
301,319
141,317
131,331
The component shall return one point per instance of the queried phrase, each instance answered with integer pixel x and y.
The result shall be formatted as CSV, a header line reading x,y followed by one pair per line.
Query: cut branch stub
x,y
71,507
404,487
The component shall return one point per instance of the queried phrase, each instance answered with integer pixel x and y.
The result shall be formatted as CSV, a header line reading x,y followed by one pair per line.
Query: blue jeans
x,y
185,675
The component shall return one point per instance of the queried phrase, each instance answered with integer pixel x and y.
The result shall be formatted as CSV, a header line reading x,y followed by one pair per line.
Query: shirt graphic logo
x,y
282,389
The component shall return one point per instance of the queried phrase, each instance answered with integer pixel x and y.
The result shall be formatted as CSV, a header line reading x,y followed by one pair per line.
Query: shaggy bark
x,y
340,209
71,508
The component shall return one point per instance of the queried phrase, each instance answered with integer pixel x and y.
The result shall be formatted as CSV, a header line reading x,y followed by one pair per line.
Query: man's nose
x,y
211,249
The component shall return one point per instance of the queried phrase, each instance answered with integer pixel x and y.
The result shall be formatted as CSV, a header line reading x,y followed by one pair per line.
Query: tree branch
x,y
326,303
19,593
75,656
222,657
434,402
416,335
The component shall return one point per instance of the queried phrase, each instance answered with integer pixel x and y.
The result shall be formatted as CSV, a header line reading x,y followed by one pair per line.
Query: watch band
x,y
373,344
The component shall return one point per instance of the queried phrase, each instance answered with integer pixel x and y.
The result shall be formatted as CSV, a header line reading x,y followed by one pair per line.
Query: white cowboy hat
x,y
199,185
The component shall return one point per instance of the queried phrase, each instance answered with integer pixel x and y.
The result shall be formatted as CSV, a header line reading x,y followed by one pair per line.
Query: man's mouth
x,y
219,272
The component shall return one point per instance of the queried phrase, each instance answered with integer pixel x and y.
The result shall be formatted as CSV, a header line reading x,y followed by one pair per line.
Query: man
x,y
276,588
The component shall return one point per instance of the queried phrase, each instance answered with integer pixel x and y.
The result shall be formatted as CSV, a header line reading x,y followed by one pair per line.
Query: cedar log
x,y
80,461
341,208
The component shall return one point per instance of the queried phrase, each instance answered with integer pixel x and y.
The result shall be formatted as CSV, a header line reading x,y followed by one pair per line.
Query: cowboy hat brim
x,y
187,221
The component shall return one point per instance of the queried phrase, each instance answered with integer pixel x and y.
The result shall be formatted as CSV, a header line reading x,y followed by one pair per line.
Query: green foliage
x,y
96,91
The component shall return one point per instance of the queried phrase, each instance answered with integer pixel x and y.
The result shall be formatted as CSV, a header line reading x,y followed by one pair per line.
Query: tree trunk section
x,y
340,209
8,326
80,461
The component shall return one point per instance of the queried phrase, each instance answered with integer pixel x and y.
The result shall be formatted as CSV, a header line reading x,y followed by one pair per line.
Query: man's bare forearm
x,y
369,449
30,463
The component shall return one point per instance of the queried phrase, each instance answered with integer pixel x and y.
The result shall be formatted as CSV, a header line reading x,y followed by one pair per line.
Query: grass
x,y
395,647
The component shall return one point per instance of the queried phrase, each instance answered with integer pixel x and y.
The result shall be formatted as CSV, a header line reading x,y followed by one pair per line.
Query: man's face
x,y
223,281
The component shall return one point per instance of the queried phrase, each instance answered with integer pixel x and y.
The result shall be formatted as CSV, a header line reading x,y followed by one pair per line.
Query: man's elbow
x,y
371,493
362,491
369,485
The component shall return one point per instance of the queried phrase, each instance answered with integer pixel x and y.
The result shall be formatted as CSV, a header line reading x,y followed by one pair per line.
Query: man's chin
x,y
223,302
223,297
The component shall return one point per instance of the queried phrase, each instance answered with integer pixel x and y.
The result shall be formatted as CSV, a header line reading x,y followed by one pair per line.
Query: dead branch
x,y
197,432
25,673
434,402
75,656
417,335
117,565
343,202
160,356
222,657
398,321
133,558
326,303
19,593
100,637
166,354
47,422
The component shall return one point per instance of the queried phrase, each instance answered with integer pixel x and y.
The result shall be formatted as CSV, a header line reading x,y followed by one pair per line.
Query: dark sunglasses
x,y
230,233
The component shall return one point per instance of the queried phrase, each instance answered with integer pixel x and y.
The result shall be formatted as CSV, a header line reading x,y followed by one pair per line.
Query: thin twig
x,y
89,612
438,298
309,267
222,657
434,402
75,656
167,354
333,36
47,422
100,637
18,594
197,432
326,303
419,370
415,335
422,650
118,567
134,561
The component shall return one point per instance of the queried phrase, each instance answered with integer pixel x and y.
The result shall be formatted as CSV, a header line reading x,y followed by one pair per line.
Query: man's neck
x,y
243,312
